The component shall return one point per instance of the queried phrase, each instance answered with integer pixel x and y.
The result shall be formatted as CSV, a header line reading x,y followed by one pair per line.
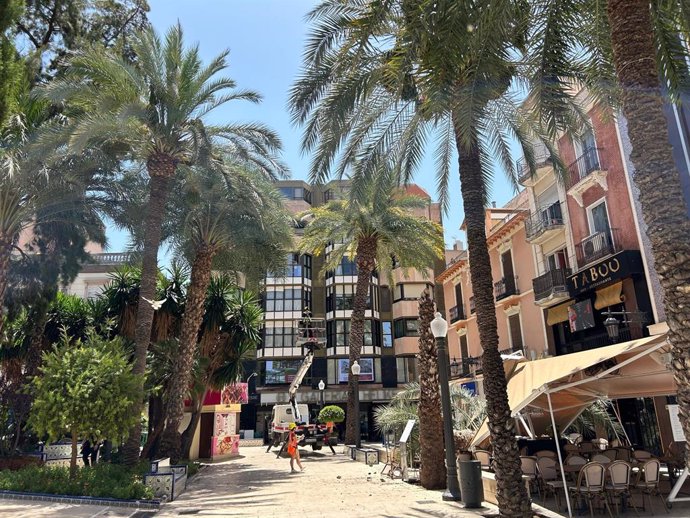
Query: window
x,y
346,267
296,193
557,260
387,334
463,347
278,334
598,218
407,369
410,291
406,327
306,262
338,333
281,372
288,299
515,332
339,370
340,297
458,295
294,269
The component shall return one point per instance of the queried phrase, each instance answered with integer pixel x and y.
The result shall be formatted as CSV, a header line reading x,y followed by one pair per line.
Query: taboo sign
x,y
619,266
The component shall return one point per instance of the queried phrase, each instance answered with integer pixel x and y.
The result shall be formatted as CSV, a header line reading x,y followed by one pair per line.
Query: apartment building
x,y
520,321
390,344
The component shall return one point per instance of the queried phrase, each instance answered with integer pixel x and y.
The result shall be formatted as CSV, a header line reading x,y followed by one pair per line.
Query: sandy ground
x,y
259,485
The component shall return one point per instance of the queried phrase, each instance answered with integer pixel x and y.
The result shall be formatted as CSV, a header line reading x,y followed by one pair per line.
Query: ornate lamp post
x,y
439,328
322,386
356,369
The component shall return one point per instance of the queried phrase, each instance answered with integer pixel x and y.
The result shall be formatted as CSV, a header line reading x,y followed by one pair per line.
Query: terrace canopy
x,y
627,370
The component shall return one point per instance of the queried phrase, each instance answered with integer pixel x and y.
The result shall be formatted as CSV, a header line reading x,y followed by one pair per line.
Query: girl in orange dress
x,y
292,449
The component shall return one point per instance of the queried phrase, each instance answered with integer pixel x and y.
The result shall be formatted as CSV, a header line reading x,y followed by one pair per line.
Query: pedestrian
x,y
292,449
86,452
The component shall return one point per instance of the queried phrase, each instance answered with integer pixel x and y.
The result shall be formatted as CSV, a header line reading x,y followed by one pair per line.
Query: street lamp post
x,y
322,386
439,328
356,369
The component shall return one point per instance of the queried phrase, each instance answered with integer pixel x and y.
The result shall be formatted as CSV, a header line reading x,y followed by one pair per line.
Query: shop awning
x,y
630,369
558,314
609,296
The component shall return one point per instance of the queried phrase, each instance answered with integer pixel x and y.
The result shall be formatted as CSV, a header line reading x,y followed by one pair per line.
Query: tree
x,y
85,389
153,112
225,211
433,473
631,54
11,68
379,79
373,226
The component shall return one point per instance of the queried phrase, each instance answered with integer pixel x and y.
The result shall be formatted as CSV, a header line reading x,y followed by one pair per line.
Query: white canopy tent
x,y
554,391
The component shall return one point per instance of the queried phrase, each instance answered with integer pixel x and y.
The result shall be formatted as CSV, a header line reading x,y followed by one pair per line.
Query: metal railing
x,y
625,334
473,307
456,313
597,246
541,157
584,165
550,282
544,219
506,287
112,258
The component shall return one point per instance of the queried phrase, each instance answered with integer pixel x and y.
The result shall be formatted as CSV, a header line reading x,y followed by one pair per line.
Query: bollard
x,y
471,487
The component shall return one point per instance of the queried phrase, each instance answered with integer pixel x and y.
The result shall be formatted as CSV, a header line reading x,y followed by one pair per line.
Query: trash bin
x,y
471,487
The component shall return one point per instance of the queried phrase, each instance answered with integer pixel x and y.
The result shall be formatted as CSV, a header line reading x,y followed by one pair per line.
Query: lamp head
x,y
612,327
439,327
322,385
356,368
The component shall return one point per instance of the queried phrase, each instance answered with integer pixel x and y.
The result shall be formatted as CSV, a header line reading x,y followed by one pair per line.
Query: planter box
x,y
489,484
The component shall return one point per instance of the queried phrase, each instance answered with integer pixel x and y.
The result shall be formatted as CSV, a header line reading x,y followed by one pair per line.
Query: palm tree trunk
x,y
433,473
5,256
156,426
189,335
511,494
366,261
663,206
188,434
158,194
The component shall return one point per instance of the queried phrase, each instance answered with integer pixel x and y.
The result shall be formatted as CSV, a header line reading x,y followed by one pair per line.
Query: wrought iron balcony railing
x,y
553,281
505,288
456,313
472,305
545,219
584,165
597,246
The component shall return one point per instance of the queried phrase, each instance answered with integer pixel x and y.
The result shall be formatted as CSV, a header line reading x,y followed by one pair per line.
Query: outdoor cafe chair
x,y
587,447
484,457
575,460
648,483
623,453
601,458
529,472
611,453
590,485
548,476
545,453
618,486
571,448
641,455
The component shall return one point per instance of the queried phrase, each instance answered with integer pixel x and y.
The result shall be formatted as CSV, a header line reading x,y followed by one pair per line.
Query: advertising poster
x,y
366,374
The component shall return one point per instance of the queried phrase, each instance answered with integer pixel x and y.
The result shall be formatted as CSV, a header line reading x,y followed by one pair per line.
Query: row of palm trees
x,y
382,78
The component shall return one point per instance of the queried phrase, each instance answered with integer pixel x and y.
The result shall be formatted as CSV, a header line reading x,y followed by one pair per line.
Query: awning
x,y
609,296
558,314
630,369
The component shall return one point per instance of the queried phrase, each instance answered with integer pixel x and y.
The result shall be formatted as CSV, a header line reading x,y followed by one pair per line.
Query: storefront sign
x,y
622,265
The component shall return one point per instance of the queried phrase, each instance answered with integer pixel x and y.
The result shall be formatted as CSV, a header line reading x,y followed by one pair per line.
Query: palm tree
x,y
433,472
631,53
226,211
374,225
380,78
153,112
230,334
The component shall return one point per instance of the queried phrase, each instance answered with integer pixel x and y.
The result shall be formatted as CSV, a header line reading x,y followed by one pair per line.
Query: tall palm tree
x,y
225,211
381,78
632,54
433,472
153,112
374,225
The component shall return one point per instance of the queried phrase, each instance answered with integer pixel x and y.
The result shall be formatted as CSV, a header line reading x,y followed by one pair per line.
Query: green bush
x,y
102,480
332,413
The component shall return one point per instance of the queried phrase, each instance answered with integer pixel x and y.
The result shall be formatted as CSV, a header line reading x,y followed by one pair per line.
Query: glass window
x,y
406,327
407,369
366,373
598,218
278,333
338,333
387,334
288,299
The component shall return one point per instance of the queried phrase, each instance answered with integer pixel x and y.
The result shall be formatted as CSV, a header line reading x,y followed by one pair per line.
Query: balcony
x,y
456,313
551,287
112,258
542,159
472,306
505,288
544,224
597,246
585,172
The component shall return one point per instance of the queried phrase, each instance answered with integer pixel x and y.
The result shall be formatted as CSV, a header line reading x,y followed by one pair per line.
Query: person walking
x,y
86,452
292,449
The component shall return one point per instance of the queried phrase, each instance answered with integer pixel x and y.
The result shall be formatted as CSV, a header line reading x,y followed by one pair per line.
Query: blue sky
x,y
265,38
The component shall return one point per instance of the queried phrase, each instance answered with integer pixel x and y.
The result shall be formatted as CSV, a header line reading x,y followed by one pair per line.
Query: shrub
x,y
332,413
102,480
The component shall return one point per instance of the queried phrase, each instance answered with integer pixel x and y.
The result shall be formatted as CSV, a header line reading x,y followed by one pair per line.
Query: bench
x,y
59,454
167,481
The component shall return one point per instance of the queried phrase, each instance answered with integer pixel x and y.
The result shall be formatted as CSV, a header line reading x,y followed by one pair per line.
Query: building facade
x,y
391,335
